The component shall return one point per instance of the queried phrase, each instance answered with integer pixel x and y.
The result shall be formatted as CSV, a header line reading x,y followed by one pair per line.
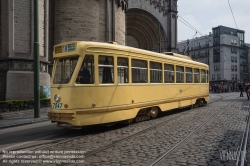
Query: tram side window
x,y
207,76
122,68
168,73
189,75
196,76
86,72
203,76
155,72
106,69
179,74
139,71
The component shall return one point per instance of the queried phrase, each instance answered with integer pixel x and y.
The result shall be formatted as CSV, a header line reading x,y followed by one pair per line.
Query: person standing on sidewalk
x,y
241,90
247,91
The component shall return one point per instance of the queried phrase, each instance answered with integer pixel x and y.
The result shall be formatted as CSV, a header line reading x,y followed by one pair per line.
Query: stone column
x,y
17,54
85,20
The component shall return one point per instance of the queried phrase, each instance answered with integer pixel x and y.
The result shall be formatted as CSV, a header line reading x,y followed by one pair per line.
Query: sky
x,y
203,15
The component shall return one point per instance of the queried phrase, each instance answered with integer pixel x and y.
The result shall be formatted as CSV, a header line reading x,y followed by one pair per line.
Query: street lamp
x,y
36,62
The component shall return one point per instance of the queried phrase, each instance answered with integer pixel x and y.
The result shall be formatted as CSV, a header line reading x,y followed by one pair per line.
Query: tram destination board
x,y
66,48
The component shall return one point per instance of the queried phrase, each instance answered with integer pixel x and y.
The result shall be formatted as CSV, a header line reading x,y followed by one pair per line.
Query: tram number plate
x,y
57,105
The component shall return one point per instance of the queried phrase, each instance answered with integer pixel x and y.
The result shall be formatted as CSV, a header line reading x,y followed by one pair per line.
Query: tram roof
x,y
114,46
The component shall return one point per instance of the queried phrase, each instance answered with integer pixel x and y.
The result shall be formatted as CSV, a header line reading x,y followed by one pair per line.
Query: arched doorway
x,y
144,31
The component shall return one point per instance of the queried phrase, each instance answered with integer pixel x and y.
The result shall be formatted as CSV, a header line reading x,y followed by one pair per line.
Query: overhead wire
x,y
189,24
232,14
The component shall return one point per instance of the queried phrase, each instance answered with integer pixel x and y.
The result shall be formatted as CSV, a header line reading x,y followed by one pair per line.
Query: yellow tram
x,y
100,83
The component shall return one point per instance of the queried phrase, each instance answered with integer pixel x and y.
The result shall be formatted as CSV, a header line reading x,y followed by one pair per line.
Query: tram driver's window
x,y
122,68
139,71
106,69
86,72
196,76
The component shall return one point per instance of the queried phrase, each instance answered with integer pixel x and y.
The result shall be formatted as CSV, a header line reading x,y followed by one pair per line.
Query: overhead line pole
x,y
36,62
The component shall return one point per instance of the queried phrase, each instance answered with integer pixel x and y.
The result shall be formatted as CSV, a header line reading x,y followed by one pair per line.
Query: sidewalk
x,y
17,118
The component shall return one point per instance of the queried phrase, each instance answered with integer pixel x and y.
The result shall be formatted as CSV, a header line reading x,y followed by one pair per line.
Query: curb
x,y
25,123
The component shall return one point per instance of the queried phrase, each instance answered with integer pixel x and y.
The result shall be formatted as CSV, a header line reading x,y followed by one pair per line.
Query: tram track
x,y
88,154
56,142
215,115
242,151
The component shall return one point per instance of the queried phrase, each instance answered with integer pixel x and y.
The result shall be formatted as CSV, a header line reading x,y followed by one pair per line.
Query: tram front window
x,y
64,70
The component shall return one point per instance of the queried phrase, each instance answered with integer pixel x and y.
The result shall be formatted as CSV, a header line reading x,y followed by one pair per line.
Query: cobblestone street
x,y
208,135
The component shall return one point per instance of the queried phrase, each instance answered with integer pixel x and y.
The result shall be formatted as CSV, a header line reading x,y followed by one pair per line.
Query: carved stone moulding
x,y
122,3
3,66
159,4
24,65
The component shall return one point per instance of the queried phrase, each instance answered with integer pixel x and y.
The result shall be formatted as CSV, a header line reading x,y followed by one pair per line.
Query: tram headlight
x,y
57,98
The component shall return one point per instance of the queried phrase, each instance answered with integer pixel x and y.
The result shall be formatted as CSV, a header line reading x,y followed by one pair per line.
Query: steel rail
x,y
140,132
242,151
55,142
214,115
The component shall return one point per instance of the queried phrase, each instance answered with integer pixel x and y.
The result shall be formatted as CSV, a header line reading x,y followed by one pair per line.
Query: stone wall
x,y
1,27
79,20
41,27
119,25
86,20
22,26
20,84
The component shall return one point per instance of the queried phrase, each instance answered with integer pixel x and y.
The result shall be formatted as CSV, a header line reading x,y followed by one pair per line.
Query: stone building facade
x,y
224,50
16,54
146,24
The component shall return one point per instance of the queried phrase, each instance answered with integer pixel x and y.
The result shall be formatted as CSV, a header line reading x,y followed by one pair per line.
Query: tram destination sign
x,y
66,48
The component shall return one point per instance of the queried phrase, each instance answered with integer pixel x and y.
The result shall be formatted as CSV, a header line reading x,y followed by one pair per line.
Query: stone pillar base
x,y
20,84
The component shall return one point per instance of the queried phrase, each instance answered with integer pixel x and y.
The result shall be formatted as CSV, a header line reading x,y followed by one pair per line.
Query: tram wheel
x,y
154,112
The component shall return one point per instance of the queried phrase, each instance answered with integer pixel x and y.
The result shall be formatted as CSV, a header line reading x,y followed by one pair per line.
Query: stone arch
x,y
144,28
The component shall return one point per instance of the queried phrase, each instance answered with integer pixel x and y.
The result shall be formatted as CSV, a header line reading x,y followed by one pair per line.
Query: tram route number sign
x,y
57,105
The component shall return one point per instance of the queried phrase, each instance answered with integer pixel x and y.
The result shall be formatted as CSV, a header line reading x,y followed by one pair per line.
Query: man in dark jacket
x,y
241,90
84,75
246,89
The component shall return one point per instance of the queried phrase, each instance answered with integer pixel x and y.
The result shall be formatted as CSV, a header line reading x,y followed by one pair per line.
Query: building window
x,y
213,76
234,50
218,76
235,42
217,67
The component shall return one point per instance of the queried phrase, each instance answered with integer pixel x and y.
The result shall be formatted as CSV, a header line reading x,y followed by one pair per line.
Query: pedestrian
x,y
247,91
241,89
